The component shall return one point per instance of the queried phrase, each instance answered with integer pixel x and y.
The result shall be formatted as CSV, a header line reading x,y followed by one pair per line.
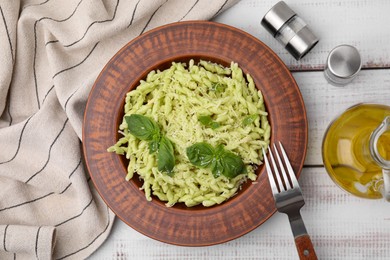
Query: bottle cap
x,y
342,65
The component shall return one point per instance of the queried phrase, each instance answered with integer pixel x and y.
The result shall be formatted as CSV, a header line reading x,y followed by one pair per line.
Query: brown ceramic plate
x,y
197,226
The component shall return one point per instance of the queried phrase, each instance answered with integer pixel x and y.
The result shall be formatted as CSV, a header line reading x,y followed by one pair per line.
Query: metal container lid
x,y
302,43
342,65
276,17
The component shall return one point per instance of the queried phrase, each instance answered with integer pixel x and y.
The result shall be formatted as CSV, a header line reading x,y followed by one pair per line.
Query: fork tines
x,y
285,180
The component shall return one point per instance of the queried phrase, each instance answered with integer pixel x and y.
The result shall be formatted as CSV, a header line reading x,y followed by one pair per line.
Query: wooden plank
x,y
363,24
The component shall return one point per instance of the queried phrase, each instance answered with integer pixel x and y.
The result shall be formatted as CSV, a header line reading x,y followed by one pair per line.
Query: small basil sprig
x,y
221,161
208,122
146,129
249,119
217,87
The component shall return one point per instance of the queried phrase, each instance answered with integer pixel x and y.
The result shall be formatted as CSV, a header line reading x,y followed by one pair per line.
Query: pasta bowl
x,y
157,49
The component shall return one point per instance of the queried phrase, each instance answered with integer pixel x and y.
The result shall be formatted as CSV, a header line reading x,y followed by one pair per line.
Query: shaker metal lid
x,y
276,17
302,43
342,65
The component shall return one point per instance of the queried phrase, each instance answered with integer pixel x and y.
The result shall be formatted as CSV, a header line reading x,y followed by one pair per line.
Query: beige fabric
x,y
51,51
20,238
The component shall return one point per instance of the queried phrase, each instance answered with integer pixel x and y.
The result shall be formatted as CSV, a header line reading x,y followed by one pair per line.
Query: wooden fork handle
x,y
305,248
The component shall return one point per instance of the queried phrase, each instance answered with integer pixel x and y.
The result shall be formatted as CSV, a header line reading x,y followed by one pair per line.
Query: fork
x,y
289,200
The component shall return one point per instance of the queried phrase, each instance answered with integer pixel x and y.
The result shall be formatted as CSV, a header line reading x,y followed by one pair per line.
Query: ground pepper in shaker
x,y
342,65
289,29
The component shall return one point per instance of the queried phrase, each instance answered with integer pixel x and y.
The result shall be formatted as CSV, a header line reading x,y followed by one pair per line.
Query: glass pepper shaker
x,y
289,29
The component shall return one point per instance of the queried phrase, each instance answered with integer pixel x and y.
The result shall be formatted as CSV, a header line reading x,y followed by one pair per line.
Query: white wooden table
x,y
341,226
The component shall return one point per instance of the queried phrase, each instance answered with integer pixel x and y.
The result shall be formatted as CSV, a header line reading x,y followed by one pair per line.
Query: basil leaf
x,y
208,122
214,125
221,161
219,151
153,146
249,119
217,168
200,154
217,87
226,163
205,120
232,164
147,129
165,156
142,127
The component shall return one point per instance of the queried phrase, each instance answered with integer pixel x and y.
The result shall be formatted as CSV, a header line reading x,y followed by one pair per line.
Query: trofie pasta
x,y
195,103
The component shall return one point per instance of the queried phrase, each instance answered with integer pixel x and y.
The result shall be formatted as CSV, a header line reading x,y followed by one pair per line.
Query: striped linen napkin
x,y
51,52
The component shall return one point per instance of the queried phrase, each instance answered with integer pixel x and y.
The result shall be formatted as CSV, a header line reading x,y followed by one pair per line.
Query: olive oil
x,y
346,151
384,150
